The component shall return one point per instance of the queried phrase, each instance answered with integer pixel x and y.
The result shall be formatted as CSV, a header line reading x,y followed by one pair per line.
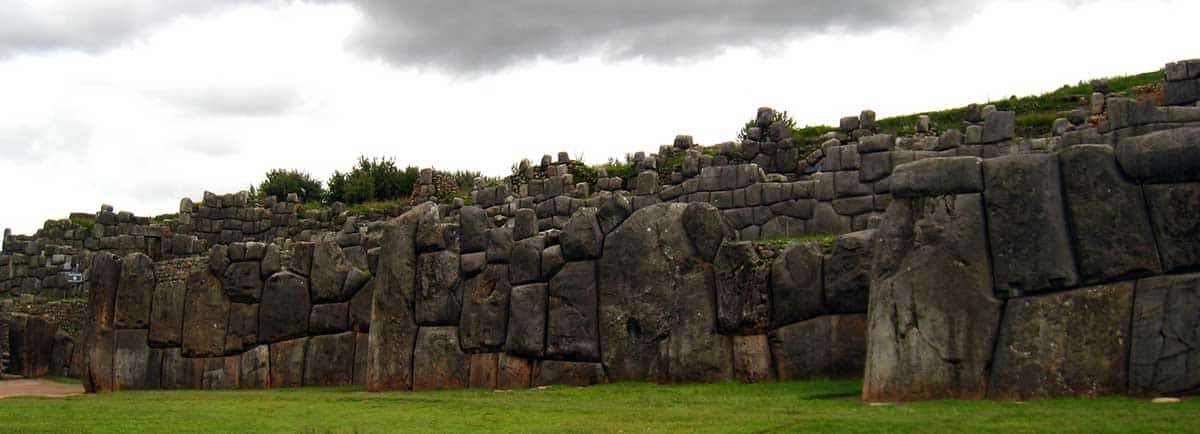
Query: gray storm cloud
x,y
479,36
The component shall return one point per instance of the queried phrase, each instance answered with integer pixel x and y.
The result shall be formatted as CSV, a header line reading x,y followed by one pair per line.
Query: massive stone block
x,y
1111,231
743,299
329,360
243,282
439,295
582,237
831,346
1175,211
485,309
132,367
135,292
1165,347
242,331
527,321
933,316
285,309
706,229
256,368
362,344
179,372
393,323
104,276
571,325
847,273
329,271
287,363
513,373
438,361
166,315
1070,344
552,372
329,318
1162,157
360,308
206,315
473,223
1027,229
525,266
796,284
657,321
937,176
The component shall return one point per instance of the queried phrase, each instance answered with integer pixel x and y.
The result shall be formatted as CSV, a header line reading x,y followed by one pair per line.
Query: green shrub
x,y
372,179
86,222
281,182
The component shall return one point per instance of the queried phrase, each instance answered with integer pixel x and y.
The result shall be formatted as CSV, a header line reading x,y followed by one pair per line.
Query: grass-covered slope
x,y
774,407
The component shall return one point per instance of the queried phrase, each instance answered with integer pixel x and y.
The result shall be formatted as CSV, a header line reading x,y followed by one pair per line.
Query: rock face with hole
x,y
933,316
657,293
830,346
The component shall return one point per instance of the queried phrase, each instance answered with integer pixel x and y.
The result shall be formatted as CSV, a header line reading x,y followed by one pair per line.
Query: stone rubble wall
x,y
1032,276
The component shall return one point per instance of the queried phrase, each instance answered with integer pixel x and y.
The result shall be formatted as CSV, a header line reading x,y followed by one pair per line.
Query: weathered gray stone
x,y
483,371
1162,157
801,208
1165,345
875,166
438,362
752,359
439,295
656,299
135,293
329,271
796,293
553,372
218,258
473,263
876,143
272,263
302,258
524,224
614,211
743,299
582,238
1027,229
527,324
847,273
1070,344
525,265
242,331
499,245
484,320
329,360
854,205
393,323
206,315
571,324
826,220
1175,212
284,311
552,261
513,372
329,318
243,282
706,229
999,126
133,368
1111,232
937,177
104,276
360,309
473,224
362,346
831,346
933,316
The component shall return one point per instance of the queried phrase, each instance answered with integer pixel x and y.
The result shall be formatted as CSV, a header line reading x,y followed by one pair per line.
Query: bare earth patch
x,y
39,388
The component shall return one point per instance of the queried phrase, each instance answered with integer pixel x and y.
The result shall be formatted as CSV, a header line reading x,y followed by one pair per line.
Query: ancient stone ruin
x,y
966,263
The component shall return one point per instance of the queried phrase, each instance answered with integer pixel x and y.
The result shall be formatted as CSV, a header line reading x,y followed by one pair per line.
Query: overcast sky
x,y
138,103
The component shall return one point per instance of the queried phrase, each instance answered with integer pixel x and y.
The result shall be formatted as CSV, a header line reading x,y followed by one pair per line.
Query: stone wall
x,y
1040,275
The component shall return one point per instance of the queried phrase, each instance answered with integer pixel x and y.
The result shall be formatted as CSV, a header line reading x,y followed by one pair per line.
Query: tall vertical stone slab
x,y
1111,232
1165,347
287,363
484,370
104,277
752,359
362,342
135,292
329,360
1070,344
484,321
438,360
527,321
132,368
206,316
657,300
256,368
1027,228
393,323
242,331
166,315
571,326
933,316
439,294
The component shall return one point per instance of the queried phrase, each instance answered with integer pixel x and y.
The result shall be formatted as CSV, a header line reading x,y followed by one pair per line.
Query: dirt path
x,y
48,389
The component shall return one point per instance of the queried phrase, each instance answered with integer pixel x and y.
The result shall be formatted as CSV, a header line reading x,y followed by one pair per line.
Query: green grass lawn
x,y
776,407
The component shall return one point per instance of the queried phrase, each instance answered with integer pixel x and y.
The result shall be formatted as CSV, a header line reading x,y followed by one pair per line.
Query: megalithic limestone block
x,y
657,301
932,317
103,279
393,324
206,316
438,360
